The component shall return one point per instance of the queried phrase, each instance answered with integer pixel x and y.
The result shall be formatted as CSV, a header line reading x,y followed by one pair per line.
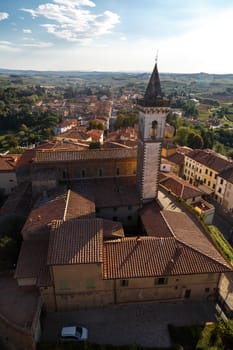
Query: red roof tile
x,y
153,257
76,242
70,155
31,259
186,231
153,221
66,205
179,187
112,229
210,159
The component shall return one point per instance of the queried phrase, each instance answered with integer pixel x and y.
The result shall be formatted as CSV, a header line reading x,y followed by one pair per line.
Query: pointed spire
x,y
153,91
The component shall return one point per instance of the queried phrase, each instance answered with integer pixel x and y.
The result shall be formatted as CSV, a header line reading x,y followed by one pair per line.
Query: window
x,y
215,176
90,283
221,181
154,126
208,183
129,218
160,280
114,218
97,210
187,293
124,283
129,207
100,172
213,186
204,181
207,290
206,171
211,173
117,171
219,190
64,285
83,172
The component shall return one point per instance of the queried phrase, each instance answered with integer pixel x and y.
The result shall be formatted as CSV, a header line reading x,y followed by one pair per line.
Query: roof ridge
x,y
227,264
166,222
67,203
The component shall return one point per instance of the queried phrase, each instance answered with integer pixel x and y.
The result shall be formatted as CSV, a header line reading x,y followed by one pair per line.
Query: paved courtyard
x,y
142,324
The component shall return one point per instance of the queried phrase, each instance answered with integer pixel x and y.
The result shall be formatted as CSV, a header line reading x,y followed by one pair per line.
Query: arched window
x,y
153,130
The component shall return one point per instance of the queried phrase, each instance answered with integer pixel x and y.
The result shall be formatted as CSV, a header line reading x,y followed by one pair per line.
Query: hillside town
x,y
126,210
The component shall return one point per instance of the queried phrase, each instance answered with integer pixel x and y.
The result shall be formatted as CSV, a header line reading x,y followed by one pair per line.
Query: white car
x,y
74,333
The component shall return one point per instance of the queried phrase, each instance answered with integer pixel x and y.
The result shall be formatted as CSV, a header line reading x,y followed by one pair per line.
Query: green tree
x,y
126,118
11,140
225,330
93,124
182,134
194,140
190,109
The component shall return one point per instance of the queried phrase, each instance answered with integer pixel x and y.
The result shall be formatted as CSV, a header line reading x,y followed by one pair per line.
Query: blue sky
x,y
117,35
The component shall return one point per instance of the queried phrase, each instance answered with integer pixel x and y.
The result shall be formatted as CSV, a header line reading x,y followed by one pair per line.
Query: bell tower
x,y
153,110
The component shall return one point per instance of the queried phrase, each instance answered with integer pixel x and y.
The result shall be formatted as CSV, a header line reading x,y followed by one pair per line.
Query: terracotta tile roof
x,y
71,155
7,163
46,210
31,259
110,192
74,133
66,205
153,221
187,232
112,229
79,206
76,242
184,149
227,174
179,187
177,158
95,134
153,257
210,159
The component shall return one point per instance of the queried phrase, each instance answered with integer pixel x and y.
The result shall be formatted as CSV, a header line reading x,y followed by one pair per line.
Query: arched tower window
x,y
153,130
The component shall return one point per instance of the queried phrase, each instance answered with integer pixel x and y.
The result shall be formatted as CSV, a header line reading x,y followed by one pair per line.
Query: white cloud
x,y
27,31
8,46
72,22
3,15
38,44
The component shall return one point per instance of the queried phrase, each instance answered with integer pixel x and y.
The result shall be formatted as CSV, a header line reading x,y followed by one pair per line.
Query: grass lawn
x,y
221,242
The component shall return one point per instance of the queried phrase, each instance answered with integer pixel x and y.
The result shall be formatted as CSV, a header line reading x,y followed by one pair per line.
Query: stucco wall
x,y
81,286
8,181
78,286
142,289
